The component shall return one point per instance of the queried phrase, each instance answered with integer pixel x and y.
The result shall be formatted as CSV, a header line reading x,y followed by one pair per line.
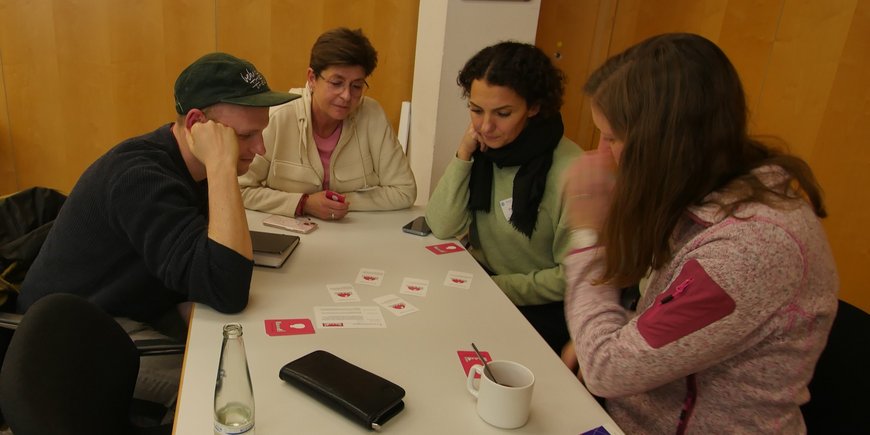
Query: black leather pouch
x,y
360,395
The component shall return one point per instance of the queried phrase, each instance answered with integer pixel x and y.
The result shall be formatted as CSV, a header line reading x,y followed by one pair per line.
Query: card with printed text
x,y
372,277
414,286
275,327
342,293
458,279
343,317
445,248
469,359
395,305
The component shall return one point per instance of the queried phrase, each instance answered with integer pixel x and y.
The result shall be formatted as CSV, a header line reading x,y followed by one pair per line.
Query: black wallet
x,y
359,394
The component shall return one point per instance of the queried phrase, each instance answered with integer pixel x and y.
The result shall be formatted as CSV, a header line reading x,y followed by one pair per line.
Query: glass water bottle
x,y
233,394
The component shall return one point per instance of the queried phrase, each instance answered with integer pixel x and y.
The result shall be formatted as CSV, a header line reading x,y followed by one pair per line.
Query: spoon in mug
x,y
485,365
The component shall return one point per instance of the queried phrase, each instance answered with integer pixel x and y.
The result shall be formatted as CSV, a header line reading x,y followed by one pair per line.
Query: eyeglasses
x,y
338,85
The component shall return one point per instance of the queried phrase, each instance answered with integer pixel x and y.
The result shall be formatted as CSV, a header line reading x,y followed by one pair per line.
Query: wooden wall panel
x,y
801,69
841,159
804,67
277,36
569,32
7,157
30,73
747,34
80,76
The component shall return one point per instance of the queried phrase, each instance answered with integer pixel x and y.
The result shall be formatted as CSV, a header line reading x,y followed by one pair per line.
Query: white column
x,y
449,32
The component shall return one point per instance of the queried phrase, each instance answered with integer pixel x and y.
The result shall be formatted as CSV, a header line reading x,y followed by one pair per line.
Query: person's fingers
x,y
569,357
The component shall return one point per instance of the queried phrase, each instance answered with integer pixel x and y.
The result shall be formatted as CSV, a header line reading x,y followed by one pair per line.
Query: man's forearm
x,y
227,223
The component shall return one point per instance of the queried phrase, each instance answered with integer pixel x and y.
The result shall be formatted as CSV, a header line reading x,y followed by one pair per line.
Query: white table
x,y
417,351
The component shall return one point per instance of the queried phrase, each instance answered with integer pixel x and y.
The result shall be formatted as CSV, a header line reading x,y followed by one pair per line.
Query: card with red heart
x,y
275,327
445,248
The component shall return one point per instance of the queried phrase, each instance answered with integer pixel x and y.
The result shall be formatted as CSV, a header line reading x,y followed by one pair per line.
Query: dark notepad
x,y
272,250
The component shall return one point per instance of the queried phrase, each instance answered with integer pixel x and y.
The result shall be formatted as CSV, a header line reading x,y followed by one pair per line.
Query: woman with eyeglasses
x,y
504,186
334,138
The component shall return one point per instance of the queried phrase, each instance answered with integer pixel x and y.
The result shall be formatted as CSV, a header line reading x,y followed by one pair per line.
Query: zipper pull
x,y
681,288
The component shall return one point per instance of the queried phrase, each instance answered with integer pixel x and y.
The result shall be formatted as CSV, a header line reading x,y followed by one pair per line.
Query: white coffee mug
x,y
505,404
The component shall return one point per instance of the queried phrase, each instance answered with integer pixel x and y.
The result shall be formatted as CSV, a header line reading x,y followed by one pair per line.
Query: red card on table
x,y
445,248
469,359
289,327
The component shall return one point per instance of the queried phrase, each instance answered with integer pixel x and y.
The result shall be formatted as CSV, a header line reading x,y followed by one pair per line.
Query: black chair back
x,y
840,386
70,369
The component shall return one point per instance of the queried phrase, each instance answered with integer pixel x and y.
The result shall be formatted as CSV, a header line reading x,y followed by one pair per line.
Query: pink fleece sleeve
x,y
710,303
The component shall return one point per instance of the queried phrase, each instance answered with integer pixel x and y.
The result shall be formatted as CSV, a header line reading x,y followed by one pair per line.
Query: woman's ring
x,y
332,215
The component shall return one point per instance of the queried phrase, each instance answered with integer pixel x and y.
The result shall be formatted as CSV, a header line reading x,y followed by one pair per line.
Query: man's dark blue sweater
x,y
132,238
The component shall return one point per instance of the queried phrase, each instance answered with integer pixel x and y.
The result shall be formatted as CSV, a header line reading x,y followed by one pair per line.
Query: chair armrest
x,y
145,347
10,320
151,347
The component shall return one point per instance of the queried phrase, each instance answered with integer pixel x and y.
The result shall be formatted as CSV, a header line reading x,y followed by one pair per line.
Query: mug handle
x,y
474,371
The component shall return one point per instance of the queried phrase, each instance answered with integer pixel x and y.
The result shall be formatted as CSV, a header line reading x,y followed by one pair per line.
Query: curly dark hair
x,y
343,46
521,67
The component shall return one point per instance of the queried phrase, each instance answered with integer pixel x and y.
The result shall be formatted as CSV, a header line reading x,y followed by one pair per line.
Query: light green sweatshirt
x,y
530,272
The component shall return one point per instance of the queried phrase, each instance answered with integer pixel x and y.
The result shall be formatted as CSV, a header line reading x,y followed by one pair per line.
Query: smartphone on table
x,y
297,225
418,227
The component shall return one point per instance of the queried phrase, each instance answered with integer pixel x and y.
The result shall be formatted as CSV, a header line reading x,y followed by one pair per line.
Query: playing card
x,y
458,279
276,327
370,277
445,248
342,317
413,286
469,359
395,305
342,293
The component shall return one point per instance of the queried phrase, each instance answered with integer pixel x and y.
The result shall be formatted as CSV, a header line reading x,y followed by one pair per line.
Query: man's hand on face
x,y
214,145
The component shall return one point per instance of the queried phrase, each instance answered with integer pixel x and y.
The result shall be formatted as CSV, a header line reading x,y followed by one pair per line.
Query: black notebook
x,y
272,250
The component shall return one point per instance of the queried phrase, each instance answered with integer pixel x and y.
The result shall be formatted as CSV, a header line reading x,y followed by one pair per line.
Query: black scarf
x,y
532,151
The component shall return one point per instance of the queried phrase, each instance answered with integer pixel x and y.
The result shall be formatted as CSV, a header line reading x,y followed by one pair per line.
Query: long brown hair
x,y
677,103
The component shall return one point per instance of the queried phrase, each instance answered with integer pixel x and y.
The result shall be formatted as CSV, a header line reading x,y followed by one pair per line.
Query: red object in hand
x,y
335,196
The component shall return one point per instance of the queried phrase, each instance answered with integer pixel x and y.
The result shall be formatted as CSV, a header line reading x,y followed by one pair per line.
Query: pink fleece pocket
x,y
693,301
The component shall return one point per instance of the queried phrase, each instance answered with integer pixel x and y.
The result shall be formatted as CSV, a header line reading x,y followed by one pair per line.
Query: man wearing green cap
x,y
142,232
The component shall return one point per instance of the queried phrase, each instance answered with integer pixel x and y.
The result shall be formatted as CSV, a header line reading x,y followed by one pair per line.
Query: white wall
x,y
449,32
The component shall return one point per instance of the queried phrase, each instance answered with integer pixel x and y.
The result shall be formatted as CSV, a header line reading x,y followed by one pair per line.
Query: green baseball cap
x,y
224,78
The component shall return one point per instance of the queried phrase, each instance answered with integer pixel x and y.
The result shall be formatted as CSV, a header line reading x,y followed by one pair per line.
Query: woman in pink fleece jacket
x,y
742,286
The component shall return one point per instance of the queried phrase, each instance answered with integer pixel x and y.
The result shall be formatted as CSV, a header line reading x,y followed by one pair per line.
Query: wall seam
x,y
14,159
766,72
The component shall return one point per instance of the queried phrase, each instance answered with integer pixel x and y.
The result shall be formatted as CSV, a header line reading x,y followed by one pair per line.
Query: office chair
x,y
25,220
70,369
840,385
